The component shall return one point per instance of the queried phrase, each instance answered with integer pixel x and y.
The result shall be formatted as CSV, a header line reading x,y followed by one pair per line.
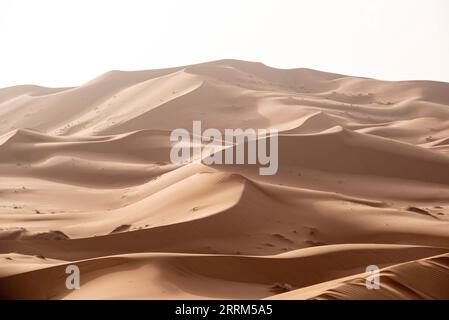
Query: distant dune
x,y
363,179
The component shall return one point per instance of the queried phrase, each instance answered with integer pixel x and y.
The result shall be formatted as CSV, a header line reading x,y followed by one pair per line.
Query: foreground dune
x,y
363,179
162,275
419,279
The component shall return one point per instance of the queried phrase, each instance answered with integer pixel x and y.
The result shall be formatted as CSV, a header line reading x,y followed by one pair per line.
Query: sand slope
x,y
86,178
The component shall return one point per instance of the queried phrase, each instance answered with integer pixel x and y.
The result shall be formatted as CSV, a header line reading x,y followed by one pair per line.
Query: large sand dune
x,y
363,179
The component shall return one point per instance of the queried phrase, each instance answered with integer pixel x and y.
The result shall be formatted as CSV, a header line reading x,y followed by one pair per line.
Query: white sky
x,y
65,42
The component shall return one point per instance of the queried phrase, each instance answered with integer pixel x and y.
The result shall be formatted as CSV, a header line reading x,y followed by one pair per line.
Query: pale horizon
x,y
62,44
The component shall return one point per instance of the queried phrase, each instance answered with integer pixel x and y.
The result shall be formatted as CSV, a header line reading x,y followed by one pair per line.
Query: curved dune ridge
x,y
363,179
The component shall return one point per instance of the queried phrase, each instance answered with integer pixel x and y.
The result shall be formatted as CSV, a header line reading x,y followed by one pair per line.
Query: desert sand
x,y
363,179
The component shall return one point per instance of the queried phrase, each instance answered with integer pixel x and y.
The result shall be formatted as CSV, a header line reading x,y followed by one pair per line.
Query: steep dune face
x,y
363,179
423,279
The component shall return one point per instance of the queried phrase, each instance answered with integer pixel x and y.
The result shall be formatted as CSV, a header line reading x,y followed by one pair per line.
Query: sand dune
x,y
363,179
423,279
199,276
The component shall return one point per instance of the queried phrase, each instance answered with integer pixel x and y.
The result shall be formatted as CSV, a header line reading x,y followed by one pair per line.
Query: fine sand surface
x,y
363,179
